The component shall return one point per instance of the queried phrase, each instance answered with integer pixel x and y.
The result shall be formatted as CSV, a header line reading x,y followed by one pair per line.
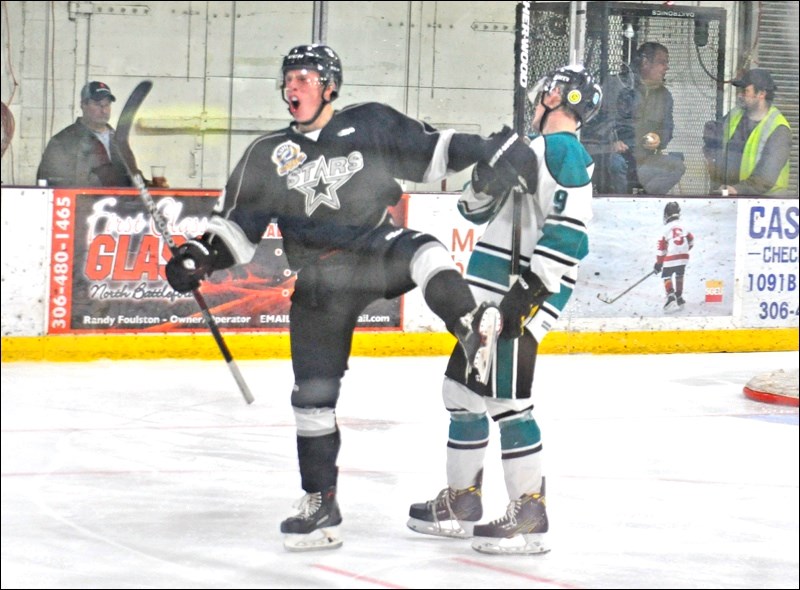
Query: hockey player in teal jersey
x,y
553,239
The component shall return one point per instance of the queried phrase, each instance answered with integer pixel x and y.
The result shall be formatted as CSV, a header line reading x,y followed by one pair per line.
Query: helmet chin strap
x,y
547,111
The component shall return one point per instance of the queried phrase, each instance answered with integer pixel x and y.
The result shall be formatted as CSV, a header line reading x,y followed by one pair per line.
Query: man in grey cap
x,y
84,154
748,151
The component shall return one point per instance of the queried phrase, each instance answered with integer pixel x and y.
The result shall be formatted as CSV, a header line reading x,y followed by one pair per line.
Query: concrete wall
x,y
215,65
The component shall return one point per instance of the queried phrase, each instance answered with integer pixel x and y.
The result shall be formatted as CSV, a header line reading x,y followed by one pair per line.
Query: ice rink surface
x,y
156,474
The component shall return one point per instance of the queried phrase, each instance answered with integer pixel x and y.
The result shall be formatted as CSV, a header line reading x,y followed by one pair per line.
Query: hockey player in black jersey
x,y
328,179
553,220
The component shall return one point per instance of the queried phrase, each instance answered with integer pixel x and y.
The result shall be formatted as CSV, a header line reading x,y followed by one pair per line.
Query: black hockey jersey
x,y
328,189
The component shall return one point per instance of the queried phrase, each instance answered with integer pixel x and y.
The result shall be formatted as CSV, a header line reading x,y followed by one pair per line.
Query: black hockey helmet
x,y
671,211
579,91
319,58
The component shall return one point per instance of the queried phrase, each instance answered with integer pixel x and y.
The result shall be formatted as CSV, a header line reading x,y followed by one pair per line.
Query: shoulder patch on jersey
x,y
287,156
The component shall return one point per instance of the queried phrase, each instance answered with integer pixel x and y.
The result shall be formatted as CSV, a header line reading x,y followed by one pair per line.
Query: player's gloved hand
x,y
657,267
520,303
191,263
511,157
488,181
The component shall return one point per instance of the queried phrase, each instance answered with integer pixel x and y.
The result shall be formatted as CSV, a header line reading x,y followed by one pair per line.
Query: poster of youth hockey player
x,y
624,248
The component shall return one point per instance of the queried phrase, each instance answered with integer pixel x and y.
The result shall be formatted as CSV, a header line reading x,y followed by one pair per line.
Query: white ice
x,y
660,474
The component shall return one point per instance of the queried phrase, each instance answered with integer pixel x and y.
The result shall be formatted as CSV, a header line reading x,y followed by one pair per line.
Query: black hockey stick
x,y
121,137
521,72
613,299
516,231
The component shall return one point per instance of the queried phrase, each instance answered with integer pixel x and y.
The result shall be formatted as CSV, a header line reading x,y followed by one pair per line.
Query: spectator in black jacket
x,y
629,139
84,153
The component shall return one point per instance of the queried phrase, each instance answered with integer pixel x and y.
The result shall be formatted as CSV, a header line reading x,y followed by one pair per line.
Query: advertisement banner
x,y
617,278
107,265
768,233
107,270
626,237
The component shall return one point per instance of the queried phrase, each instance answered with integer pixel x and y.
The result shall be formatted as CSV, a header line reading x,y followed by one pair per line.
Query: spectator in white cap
x,y
84,154
748,151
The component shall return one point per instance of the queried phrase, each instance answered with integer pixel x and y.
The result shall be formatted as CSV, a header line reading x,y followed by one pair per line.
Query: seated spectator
x,y
645,125
638,127
84,154
599,137
748,151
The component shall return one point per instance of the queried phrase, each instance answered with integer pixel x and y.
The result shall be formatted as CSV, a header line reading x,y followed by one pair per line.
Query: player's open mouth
x,y
294,104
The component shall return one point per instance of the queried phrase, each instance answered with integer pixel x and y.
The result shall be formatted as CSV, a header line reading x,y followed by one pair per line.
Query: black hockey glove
x,y
657,267
191,263
488,181
512,158
520,303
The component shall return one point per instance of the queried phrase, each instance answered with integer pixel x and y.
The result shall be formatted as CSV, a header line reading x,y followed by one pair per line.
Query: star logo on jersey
x,y
320,180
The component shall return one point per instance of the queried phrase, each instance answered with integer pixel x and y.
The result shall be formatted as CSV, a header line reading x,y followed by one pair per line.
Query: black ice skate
x,y
680,301
452,513
671,302
477,332
521,531
316,525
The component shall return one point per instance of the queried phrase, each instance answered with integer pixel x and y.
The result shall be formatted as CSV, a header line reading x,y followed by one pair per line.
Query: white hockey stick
x,y
121,135
606,299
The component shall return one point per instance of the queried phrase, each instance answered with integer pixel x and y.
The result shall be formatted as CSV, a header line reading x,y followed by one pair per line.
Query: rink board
x,y
84,279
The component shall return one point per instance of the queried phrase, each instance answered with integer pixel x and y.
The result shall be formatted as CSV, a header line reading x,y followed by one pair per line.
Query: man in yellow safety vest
x,y
748,151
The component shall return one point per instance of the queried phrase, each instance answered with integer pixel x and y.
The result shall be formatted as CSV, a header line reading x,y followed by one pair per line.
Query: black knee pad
x,y
316,393
398,260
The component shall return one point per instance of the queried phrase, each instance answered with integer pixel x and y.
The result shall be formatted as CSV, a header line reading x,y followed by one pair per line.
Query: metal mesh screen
x,y
695,38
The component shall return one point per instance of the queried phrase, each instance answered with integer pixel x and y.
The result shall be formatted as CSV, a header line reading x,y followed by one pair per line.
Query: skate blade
x,y
320,539
452,529
489,328
529,544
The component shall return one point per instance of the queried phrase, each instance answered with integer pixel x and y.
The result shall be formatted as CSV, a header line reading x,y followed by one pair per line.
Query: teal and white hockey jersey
x,y
554,228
